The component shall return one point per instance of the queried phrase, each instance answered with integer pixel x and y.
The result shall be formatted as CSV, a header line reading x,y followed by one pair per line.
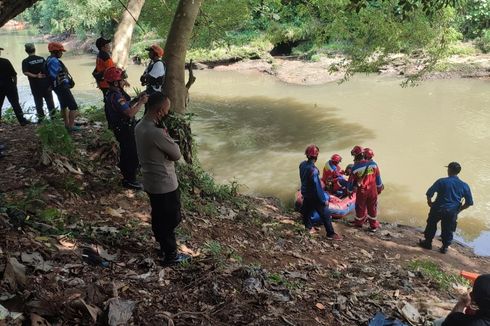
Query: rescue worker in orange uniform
x,y
333,177
102,62
365,181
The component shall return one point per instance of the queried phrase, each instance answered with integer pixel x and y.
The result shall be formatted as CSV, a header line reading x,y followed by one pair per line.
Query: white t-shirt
x,y
157,70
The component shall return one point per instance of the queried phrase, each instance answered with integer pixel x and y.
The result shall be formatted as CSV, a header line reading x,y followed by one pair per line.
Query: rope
x,y
129,12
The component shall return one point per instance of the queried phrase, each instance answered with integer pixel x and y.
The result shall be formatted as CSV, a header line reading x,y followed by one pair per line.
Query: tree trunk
x,y
11,8
124,32
175,50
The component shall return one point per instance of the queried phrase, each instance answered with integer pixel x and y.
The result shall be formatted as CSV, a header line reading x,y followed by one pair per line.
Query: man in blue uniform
x,y
450,192
120,113
314,198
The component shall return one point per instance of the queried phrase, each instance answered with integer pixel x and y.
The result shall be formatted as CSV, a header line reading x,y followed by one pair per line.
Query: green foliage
x,y
474,18
279,280
55,138
221,253
435,274
483,42
8,116
81,16
31,200
93,113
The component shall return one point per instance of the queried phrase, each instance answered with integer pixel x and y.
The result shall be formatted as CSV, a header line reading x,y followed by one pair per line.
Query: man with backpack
x,y
62,83
365,181
154,75
8,88
32,67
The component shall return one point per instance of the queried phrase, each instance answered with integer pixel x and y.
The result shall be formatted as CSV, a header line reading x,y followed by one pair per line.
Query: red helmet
x,y
312,151
55,46
336,158
368,153
113,74
356,150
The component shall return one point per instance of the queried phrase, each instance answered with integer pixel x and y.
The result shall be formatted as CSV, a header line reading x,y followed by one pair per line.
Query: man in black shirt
x,y
8,88
32,67
480,297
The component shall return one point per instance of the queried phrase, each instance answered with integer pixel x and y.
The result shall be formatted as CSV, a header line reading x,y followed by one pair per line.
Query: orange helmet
x,y
157,49
368,153
336,158
113,74
356,150
312,151
55,46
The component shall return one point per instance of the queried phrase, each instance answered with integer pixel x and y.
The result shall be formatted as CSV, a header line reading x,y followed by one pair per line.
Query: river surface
x,y
253,129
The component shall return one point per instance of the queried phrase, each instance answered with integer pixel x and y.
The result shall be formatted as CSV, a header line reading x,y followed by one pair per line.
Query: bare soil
x,y
252,263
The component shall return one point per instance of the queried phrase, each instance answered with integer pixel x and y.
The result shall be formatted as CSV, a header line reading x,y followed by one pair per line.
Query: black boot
x,y
425,244
175,258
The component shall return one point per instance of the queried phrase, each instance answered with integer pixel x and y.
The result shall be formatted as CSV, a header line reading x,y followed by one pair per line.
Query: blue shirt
x,y
310,181
55,68
116,102
450,191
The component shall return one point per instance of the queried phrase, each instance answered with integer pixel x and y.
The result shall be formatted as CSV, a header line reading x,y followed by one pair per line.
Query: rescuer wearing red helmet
x,y
314,198
357,153
333,177
120,111
62,83
365,180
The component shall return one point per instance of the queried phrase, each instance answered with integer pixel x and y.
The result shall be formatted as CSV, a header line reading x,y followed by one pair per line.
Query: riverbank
x,y
252,261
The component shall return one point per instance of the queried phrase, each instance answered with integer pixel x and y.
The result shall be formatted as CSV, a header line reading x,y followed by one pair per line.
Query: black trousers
x,y
10,91
165,217
128,156
448,225
312,204
40,93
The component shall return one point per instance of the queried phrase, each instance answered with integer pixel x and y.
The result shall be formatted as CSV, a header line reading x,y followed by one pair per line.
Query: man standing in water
x,y
62,83
32,67
450,192
157,152
314,198
8,88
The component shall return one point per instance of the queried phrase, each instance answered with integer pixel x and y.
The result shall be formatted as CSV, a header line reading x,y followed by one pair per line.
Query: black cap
x,y
29,47
101,42
454,167
481,292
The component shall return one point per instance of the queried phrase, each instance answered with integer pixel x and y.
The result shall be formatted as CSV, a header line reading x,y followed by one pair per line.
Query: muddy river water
x,y
252,128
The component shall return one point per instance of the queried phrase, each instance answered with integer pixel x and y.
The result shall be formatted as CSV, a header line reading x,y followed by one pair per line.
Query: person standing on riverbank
x,y
8,88
450,193
365,181
32,67
157,152
154,75
314,198
102,63
120,112
62,83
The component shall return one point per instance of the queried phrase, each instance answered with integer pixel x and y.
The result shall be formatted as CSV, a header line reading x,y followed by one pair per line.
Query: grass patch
x,y
279,280
436,275
55,138
93,113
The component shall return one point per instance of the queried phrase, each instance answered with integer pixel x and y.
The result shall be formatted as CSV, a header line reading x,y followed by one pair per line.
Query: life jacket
x,y
61,76
152,81
102,62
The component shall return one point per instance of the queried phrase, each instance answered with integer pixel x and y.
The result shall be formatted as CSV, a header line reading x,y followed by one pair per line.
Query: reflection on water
x,y
253,128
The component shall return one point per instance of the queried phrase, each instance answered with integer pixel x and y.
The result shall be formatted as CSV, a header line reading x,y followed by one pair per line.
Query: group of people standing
x,y
363,179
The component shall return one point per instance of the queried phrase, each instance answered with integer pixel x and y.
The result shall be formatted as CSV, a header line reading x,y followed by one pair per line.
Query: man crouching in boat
x,y
333,178
365,181
314,198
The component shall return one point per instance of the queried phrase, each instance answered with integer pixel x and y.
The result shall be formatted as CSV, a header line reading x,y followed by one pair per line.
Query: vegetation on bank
x,y
364,32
